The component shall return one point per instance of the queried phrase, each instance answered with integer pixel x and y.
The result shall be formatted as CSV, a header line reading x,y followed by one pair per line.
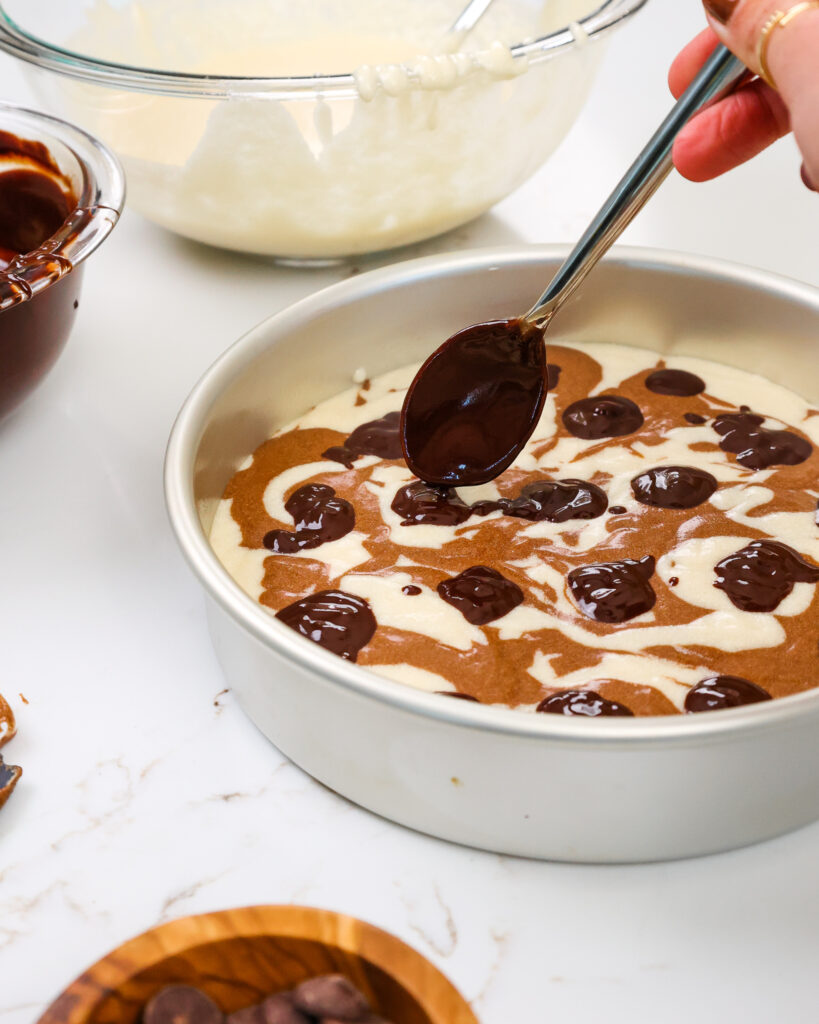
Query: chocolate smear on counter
x,y
475,403
755,446
552,501
673,487
481,594
760,576
330,996
723,692
582,702
379,437
339,622
695,418
458,695
319,516
9,777
418,503
8,726
614,591
182,1004
552,375
411,590
602,416
680,383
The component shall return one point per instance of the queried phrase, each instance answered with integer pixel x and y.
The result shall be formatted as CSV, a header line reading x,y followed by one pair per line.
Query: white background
x,y
143,799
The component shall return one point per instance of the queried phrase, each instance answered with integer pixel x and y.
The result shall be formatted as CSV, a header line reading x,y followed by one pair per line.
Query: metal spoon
x,y
469,18
475,402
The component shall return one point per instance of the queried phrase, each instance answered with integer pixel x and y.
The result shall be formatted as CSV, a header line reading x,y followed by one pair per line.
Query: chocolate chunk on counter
x,y
182,1004
10,775
760,576
419,503
379,437
481,594
614,591
339,622
602,416
332,996
675,382
673,487
755,446
587,703
723,692
320,516
551,501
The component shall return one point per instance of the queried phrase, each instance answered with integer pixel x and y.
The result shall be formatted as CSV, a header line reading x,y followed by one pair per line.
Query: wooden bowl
x,y
240,956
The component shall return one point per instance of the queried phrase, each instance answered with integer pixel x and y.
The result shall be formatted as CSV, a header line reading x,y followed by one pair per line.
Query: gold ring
x,y
779,19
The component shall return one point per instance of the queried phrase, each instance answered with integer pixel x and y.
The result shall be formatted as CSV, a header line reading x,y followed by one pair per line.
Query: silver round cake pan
x,y
610,789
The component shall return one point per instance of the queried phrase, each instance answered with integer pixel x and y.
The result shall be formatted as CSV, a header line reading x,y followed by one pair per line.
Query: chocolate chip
x,y
339,622
582,702
762,574
673,487
411,590
379,437
723,692
481,594
319,516
458,695
551,501
9,777
181,1004
694,417
675,382
419,503
602,416
755,446
614,591
332,996
552,375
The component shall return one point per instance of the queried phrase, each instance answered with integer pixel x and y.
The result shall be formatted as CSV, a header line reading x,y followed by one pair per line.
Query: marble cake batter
x,y
653,550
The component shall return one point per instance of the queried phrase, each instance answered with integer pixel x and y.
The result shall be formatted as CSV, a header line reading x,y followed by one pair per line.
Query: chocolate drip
x,y
319,516
757,447
582,702
675,382
602,416
418,503
481,594
614,591
9,777
379,437
474,403
673,487
760,576
339,622
723,692
553,501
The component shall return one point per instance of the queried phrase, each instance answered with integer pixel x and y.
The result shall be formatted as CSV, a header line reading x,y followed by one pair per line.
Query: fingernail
x,y
721,10
808,183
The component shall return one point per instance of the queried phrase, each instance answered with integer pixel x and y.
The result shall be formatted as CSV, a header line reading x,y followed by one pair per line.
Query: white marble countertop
x,y
147,794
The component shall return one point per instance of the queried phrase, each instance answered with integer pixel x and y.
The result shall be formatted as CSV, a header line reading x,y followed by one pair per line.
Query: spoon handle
x,y
718,76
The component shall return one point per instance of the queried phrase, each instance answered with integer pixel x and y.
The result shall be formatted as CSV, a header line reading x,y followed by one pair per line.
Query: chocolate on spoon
x,y
476,401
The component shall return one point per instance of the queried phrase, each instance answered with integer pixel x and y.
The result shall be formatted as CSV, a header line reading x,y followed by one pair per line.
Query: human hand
x,y
756,114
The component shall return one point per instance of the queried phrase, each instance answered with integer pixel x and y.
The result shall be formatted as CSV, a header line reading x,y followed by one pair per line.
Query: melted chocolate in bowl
x,y
35,201
629,562
475,402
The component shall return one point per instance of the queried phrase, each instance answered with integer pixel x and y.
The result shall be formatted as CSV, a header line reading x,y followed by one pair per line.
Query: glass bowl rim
x,y
19,43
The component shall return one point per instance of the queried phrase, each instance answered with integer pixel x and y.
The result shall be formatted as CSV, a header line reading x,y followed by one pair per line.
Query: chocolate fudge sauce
x,y
673,487
339,622
755,446
602,416
481,594
320,517
614,591
588,703
723,692
675,382
760,576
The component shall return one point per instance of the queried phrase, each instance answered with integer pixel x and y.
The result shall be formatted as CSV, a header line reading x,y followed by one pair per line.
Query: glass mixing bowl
x,y
307,168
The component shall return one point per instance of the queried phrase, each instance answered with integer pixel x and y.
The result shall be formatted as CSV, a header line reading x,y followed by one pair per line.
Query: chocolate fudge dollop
x,y
758,577
339,622
755,446
481,594
673,487
551,501
419,503
614,591
588,703
379,437
602,416
320,516
679,383
723,692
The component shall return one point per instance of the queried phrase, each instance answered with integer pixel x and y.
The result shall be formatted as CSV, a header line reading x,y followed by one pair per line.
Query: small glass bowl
x,y
321,167
39,289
